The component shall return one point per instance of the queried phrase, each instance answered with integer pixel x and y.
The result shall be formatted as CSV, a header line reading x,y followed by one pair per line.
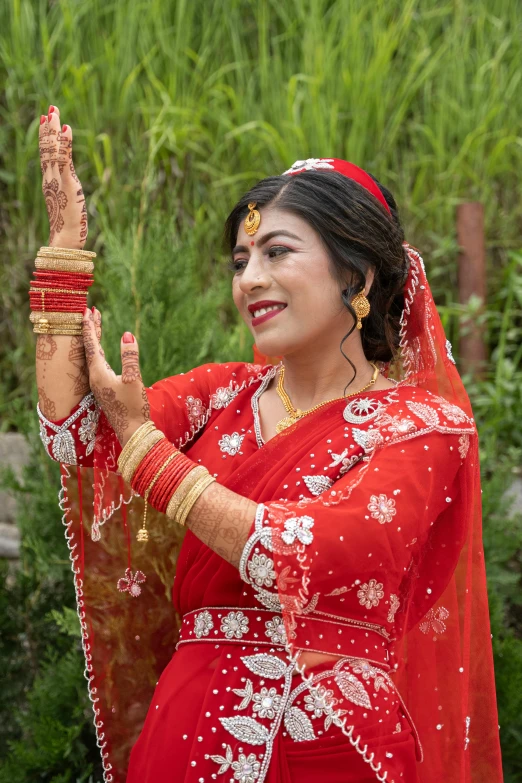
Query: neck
x,y
315,375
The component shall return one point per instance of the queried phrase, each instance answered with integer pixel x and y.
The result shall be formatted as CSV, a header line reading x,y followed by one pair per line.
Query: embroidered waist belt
x,y
264,628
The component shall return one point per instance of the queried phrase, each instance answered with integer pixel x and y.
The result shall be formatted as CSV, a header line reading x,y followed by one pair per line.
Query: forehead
x,y
274,219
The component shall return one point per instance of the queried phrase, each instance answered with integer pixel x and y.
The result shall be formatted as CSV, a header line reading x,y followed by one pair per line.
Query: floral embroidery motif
x,y
203,624
367,439
87,429
319,701
223,396
370,594
368,672
449,351
424,412
394,605
317,484
46,439
254,367
131,584
398,426
345,461
234,625
463,445
267,703
351,688
382,508
275,630
434,619
246,768
195,409
230,444
261,569
309,165
361,411
300,528
453,412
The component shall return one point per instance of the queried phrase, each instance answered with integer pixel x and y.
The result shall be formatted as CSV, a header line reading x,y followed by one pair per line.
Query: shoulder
x,y
409,412
212,379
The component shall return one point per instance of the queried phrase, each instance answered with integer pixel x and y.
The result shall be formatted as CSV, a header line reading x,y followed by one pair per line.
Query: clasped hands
x,y
122,398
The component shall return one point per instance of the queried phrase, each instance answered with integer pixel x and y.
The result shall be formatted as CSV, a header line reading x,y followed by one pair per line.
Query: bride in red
x,y
325,615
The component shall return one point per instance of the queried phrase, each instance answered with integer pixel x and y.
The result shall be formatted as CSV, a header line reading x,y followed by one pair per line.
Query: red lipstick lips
x,y
266,316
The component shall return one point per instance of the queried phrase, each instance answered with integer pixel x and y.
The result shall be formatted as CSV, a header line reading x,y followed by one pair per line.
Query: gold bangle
x,y
64,265
147,442
53,318
184,488
57,291
142,534
72,332
193,496
58,252
138,445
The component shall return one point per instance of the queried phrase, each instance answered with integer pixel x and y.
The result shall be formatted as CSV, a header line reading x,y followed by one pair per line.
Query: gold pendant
x,y
285,423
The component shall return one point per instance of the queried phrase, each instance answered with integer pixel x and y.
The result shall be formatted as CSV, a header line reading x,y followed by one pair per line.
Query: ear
x,y
370,276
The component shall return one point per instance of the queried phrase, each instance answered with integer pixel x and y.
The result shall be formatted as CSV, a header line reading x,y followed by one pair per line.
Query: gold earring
x,y
361,306
252,220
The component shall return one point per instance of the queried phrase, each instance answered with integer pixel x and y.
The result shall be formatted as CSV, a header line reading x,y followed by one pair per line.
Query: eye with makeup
x,y
276,251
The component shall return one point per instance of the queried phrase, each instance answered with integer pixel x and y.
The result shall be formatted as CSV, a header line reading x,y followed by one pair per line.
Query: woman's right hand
x,y
61,187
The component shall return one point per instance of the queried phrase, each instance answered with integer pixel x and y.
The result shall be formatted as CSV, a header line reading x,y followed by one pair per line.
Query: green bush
x,y
176,108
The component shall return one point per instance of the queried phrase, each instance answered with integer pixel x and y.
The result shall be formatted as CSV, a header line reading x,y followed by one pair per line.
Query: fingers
x,y
53,122
99,368
64,149
130,359
43,144
97,323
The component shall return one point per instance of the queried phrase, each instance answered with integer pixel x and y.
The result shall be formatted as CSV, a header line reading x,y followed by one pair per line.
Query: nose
x,y
255,275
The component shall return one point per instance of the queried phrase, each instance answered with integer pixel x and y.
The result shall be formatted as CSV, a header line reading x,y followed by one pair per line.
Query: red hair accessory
x,y
343,167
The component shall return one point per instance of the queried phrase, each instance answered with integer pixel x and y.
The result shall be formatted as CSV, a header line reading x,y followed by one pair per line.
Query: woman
x,y
330,590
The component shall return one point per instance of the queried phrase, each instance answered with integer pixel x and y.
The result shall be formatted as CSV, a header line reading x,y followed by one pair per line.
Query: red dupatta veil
x,y
442,656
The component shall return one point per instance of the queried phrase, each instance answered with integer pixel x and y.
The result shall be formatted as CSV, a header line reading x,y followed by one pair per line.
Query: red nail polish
x,y
128,337
51,109
42,119
64,128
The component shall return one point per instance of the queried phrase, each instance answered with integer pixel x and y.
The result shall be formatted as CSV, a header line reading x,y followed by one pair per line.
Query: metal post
x,y
472,282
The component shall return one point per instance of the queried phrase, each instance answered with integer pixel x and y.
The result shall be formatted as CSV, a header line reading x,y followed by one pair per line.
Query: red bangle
x,y
149,465
80,280
165,487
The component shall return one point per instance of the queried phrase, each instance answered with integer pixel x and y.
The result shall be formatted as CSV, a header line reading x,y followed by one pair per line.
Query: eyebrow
x,y
263,240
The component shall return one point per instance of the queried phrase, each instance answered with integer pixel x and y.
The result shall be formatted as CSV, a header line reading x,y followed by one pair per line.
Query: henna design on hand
x,y
83,218
130,370
89,343
55,201
146,405
46,347
47,406
116,411
77,359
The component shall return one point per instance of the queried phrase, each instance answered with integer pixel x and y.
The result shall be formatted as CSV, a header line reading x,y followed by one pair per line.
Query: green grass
x,y
176,108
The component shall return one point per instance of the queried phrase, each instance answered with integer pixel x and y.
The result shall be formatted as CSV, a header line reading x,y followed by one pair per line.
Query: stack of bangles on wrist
x,y
162,475
58,293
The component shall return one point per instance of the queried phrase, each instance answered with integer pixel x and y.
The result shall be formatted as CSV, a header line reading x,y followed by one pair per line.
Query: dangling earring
x,y
361,306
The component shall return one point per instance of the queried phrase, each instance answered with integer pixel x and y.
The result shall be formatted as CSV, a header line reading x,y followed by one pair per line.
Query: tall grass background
x,y
176,108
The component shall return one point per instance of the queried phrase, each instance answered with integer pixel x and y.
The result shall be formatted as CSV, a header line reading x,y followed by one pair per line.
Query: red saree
x,y
366,550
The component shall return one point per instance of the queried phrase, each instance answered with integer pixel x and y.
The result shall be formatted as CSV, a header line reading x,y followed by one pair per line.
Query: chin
x,y
273,346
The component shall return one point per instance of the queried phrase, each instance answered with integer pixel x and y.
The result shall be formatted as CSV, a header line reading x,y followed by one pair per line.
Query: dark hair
x,y
358,233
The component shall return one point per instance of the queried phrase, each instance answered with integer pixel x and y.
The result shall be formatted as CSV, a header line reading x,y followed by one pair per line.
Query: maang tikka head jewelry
x,y
361,306
252,220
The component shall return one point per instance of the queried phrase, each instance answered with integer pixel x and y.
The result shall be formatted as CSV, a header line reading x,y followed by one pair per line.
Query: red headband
x,y
343,167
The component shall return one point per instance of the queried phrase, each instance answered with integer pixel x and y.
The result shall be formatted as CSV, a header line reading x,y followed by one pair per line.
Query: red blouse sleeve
x,y
180,407
356,549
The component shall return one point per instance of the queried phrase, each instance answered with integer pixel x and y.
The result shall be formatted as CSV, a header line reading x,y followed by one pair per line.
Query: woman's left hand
x,y
122,398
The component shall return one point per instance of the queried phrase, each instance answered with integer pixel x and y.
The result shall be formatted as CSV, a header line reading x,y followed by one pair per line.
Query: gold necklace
x,y
294,414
